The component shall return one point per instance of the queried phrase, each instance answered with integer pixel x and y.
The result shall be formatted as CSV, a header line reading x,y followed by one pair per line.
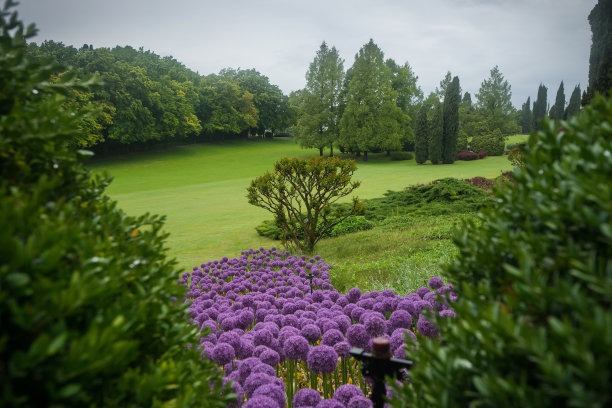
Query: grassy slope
x,y
201,189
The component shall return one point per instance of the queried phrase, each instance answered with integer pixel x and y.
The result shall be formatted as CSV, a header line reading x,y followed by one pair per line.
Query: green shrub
x,y
90,311
492,142
399,156
534,315
353,223
269,229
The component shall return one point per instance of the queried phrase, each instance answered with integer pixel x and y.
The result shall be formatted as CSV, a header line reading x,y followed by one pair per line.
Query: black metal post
x,y
378,365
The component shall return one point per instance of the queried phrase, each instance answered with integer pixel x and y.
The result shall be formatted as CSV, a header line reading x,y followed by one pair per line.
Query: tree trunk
x,y
331,150
320,151
365,156
388,152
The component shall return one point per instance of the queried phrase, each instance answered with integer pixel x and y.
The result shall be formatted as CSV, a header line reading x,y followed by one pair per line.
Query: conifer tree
x,y
421,135
573,107
558,109
371,120
435,136
539,106
526,118
319,117
450,125
600,60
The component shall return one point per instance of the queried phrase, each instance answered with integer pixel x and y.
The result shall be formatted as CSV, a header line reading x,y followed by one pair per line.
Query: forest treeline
x,y
146,100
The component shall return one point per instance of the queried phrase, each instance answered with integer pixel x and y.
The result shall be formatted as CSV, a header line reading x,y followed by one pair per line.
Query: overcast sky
x,y
531,41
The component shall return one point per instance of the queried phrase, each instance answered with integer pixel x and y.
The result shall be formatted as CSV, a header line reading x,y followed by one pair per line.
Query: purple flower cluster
x,y
259,310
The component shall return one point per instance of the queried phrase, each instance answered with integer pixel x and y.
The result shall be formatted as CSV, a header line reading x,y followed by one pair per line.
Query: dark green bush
x,y
268,228
90,310
534,315
353,223
399,156
491,142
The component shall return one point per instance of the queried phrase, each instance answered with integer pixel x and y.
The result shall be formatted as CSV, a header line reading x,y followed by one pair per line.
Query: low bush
x,y
466,155
351,224
491,142
399,156
482,155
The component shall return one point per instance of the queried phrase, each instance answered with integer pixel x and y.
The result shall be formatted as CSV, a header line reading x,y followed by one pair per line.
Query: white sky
x,y
531,41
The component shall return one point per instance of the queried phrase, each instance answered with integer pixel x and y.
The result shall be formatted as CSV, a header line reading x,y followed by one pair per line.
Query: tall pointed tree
x,y
539,106
421,135
444,83
558,109
526,119
573,107
319,116
450,127
371,120
600,60
435,136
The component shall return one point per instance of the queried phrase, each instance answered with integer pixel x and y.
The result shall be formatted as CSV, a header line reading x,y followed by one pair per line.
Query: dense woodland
x,y
375,105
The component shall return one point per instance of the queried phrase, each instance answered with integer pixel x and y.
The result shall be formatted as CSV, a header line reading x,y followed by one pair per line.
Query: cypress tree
x,y
421,135
573,107
450,125
526,118
600,60
558,109
435,136
539,106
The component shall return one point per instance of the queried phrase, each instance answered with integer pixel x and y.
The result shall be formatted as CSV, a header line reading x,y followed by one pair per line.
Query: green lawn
x,y
201,189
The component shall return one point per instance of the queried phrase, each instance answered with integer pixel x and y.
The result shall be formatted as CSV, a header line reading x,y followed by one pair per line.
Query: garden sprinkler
x,y
378,365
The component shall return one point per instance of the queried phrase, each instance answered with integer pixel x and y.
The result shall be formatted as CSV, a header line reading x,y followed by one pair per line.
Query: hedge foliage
x,y
491,142
90,312
534,316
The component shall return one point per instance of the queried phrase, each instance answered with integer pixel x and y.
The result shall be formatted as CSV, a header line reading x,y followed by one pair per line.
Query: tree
x,y
444,83
300,194
600,60
533,313
526,117
494,99
436,135
573,107
371,120
450,126
409,96
558,109
319,118
421,135
91,312
539,106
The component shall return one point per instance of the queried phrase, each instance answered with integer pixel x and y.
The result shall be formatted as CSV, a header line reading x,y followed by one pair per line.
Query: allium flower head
x,y
353,295
296,348
330,403
273,391
422,291
256,380
262,337
264,368
246,368
311,332
306,397
427,328
322,359
261,401
435,283
270,357
223,353
448,313
374,325
357,336
359,402
400,318
331,337
342,349
346,392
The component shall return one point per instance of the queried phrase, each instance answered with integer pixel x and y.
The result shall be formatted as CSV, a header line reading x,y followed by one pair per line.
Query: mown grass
x,y
201,190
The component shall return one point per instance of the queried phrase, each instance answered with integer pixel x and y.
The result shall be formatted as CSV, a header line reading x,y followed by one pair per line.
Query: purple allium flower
x,y
332,336
311,332
448,313
422,291
263,368
359,402
342,349
399,319
317,296
245,350
322,359
342,301
296,348
357,336
262,337
357,312
223,353
306,397
207,348
400,351
427,328
290,320
353,295
270,357
435,283
421,305
246,367
346,392
329,325
374,325
330,403
343,322
261,401
256,380
273,391
287,332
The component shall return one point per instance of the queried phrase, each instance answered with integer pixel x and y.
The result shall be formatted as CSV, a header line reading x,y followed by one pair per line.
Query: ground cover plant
x,y
281,332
